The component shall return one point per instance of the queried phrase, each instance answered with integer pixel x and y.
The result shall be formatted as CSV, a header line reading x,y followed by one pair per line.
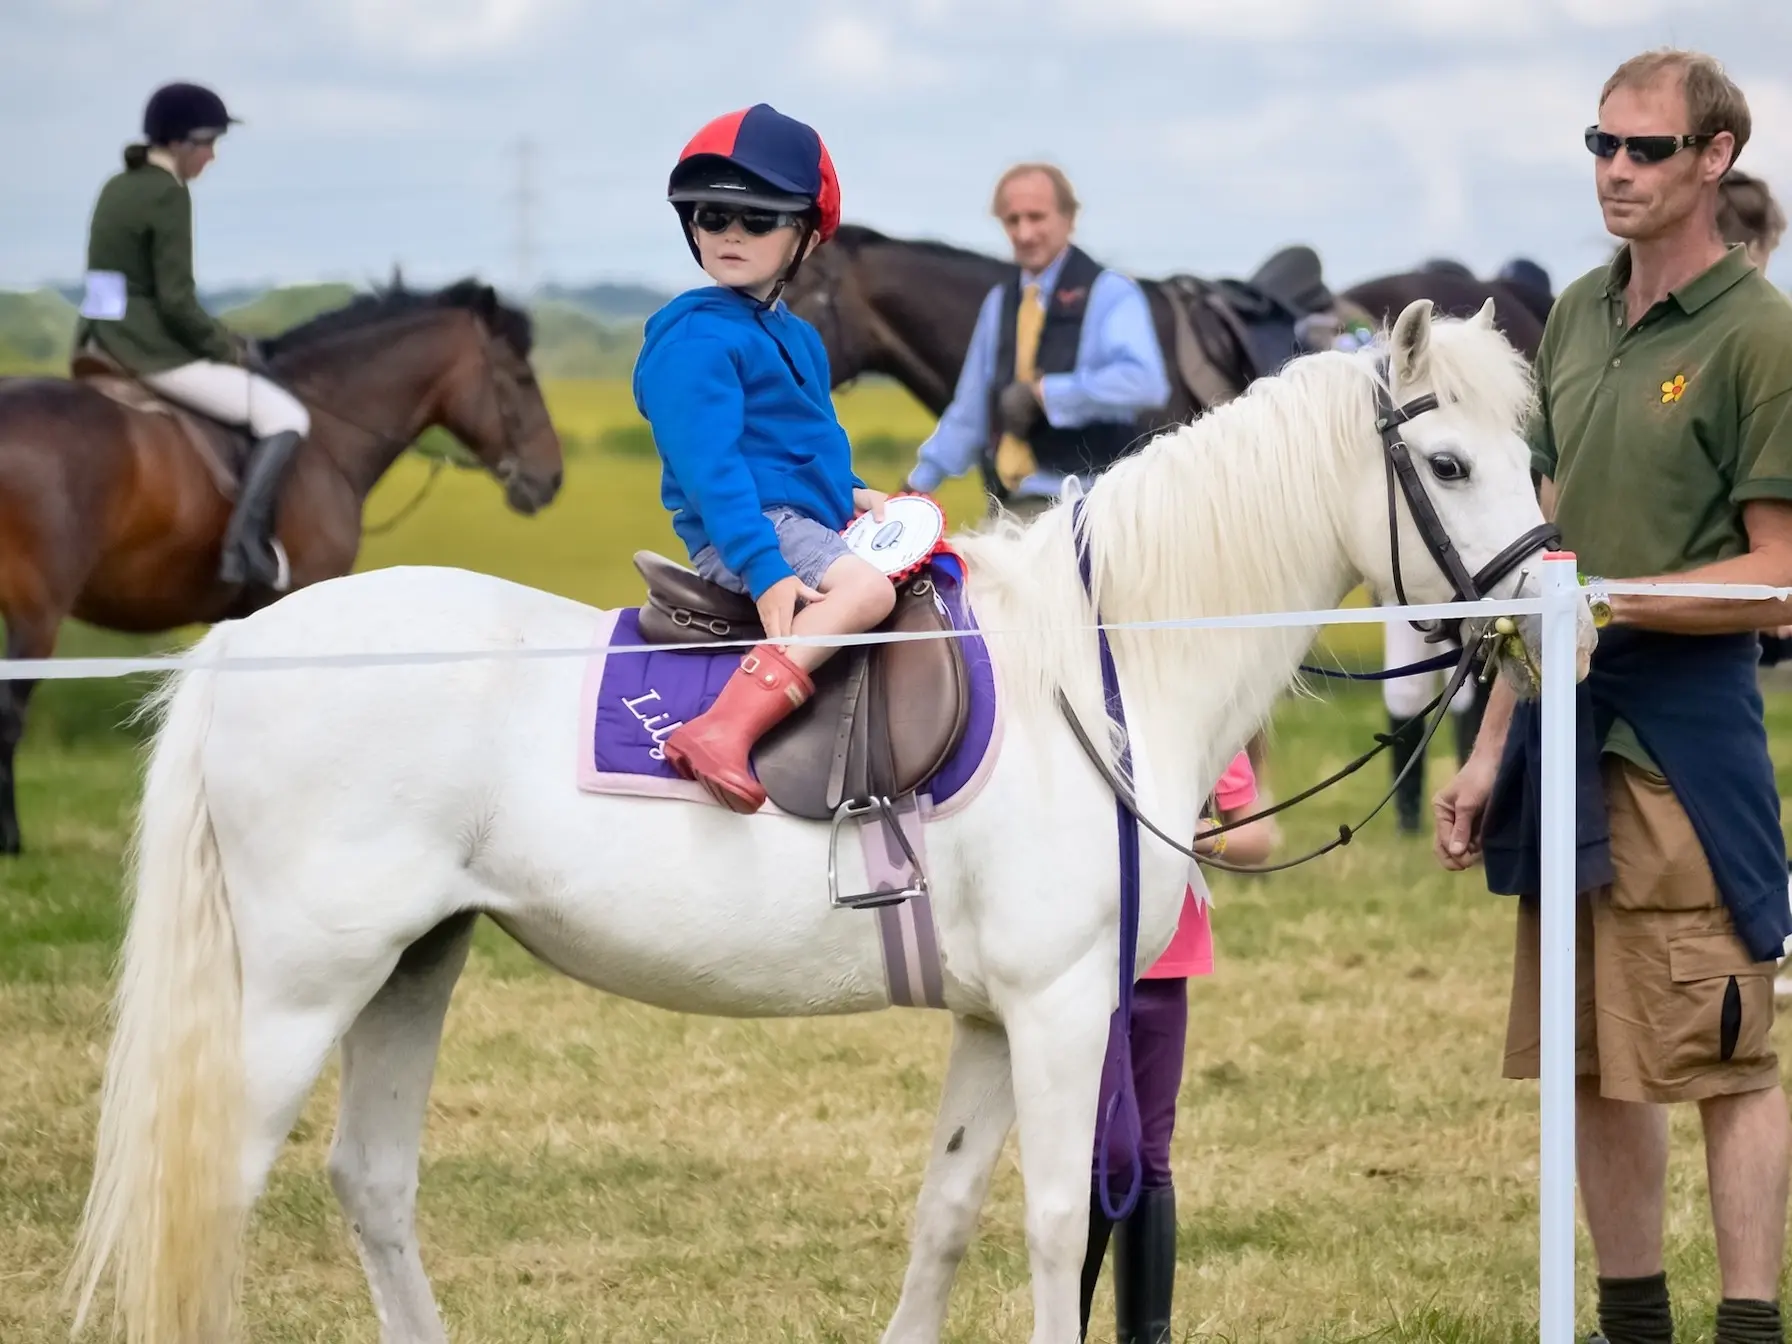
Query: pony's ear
x,y
1411,342
1484,318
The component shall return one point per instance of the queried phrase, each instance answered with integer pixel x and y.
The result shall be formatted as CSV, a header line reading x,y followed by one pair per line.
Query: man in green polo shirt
x,y
1664,443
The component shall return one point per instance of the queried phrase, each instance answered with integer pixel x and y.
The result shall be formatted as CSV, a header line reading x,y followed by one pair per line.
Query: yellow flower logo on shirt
x,y
1673,389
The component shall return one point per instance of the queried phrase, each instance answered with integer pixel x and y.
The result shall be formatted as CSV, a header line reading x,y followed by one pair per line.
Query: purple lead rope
x,y
1122,1102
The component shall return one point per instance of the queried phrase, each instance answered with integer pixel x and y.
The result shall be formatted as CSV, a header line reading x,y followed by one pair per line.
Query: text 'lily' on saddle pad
x,y
913,716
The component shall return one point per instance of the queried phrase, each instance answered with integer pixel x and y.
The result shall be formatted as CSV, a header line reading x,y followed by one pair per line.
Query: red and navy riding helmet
x,y
762,159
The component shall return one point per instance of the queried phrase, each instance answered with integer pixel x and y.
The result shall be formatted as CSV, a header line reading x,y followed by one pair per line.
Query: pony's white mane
x,y
1240,511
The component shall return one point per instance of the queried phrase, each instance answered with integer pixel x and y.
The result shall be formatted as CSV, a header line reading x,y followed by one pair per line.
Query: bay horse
x,y
314,847
111,515
905,308
1518,311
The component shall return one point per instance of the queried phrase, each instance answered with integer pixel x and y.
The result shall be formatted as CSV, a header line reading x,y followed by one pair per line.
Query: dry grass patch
x,y
1349,1165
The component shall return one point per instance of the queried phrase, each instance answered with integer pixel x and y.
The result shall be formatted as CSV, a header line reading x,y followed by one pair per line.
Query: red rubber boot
x,y
713,748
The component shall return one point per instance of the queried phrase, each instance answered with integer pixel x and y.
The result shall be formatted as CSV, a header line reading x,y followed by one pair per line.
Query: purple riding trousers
x,y
1159,1032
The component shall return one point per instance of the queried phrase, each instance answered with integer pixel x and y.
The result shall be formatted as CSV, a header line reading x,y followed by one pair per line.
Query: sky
x,y
1200,134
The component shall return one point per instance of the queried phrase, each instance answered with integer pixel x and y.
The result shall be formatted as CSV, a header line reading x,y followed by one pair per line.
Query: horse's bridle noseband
x,y
1403,475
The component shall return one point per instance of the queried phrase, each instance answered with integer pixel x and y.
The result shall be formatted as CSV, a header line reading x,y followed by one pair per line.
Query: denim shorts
x,y
808,547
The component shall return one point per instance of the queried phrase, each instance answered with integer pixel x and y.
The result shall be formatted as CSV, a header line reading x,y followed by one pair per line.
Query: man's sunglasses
x,y
716,219
1642,148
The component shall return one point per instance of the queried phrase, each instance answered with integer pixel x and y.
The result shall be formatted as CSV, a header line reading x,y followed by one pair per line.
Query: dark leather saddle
x,y
222,448
1265,313
884,717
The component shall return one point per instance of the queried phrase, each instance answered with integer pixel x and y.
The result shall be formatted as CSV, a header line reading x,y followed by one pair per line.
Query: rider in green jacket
x,y
140,308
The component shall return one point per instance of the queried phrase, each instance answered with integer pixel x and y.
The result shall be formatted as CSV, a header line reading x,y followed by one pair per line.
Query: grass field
x,y
1349,1165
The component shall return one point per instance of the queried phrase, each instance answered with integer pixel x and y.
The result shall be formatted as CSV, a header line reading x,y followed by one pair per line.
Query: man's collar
x,y
1727,271
1047,279
1717,278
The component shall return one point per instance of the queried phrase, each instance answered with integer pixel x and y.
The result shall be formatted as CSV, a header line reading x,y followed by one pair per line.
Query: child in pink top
x,y
1145,1244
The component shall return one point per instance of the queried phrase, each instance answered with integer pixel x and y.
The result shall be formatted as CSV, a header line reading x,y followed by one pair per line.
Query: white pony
x,y
314,848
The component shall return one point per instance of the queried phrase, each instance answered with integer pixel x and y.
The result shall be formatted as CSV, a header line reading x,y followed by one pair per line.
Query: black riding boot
x,y
1410,796
249,557
1145,1269
1099,1230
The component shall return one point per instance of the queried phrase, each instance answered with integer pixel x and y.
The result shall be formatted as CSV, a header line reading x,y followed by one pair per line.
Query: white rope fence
x,y
1558,608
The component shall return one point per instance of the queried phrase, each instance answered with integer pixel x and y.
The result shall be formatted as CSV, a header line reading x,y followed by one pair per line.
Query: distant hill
x,y
607,302
569,343
571,339
277,309
212,300
36,329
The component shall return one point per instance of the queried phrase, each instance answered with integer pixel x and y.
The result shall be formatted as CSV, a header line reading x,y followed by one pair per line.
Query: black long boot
x,y
249,557
1145,1269
1410,796
1099,1230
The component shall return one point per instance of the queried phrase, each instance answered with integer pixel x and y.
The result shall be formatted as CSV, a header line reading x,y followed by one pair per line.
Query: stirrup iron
x,y
860,810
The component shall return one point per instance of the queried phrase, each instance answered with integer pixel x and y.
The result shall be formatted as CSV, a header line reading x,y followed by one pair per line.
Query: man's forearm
x,y
1496,720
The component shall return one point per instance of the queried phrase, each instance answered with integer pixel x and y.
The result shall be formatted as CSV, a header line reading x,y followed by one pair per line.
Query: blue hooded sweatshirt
x,y
736,430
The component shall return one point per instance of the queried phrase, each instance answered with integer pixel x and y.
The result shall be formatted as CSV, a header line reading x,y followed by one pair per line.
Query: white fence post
x,y
1555,1203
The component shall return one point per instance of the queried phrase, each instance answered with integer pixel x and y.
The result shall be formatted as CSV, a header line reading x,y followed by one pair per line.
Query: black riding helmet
x,y
178,112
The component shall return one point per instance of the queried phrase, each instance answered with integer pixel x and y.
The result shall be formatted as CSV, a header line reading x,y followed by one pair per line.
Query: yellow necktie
x,y
1014,458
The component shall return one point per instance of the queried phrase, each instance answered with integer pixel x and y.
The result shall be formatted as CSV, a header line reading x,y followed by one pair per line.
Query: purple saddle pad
x,y
643,696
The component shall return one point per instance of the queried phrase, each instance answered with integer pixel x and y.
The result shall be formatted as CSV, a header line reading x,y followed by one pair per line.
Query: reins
x,y
1402,480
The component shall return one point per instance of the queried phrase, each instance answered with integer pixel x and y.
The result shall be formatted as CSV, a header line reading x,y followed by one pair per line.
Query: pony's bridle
x,y
510,420
1403,475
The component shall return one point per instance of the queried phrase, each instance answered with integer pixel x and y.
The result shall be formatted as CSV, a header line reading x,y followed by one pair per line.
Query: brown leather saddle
x,y
884,717
222,449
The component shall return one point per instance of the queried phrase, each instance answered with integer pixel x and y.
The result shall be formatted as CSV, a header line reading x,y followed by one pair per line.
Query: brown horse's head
x,y
829,294
896,307
493,403
393,362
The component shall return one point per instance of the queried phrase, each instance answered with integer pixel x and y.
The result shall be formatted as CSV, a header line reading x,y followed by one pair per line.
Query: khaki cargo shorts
x,y
1668,1004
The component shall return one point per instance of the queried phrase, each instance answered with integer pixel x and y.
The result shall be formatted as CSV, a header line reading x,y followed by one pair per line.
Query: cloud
x,y
856,52
445,30
332,109
1284,20
1416,157
1769,151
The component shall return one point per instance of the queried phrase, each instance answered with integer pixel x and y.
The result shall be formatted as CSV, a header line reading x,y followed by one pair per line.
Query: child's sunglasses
x,y
1642,148
717,218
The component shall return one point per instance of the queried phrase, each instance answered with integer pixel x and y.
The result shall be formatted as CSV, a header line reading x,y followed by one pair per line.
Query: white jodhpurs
x,y
1406,696
234,396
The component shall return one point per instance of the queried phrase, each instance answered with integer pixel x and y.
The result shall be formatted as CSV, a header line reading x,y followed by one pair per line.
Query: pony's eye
x,y
1448,467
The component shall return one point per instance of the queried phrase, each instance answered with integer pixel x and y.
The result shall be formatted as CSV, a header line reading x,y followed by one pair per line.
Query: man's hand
x,y
1019,409
777,605
872,500
1457,811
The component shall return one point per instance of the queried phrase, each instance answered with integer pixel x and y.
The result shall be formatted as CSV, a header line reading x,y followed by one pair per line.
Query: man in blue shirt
x,y
1062,364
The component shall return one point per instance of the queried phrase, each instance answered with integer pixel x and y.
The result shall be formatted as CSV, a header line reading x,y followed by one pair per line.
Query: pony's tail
x,y
164,1218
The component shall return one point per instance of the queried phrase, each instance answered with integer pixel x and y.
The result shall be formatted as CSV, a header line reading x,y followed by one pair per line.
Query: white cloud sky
x,y
446,30
1201,133
857,53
